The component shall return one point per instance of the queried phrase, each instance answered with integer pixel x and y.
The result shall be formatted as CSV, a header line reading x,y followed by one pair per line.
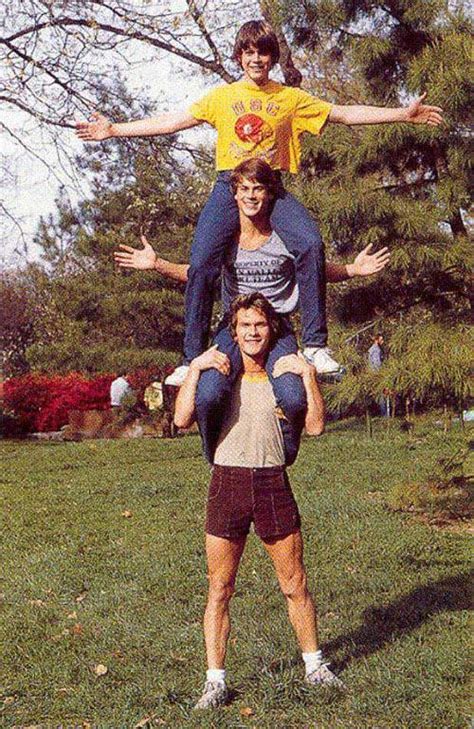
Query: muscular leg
x,y
223,557
287,556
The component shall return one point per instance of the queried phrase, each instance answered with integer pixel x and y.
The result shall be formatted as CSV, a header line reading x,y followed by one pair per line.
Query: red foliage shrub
x,y
43,402
141,378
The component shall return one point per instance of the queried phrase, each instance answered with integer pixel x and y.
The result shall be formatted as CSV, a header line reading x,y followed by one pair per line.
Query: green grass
x,y
392,592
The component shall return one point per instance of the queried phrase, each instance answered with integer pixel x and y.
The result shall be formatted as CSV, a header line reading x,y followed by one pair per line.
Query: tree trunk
x,y
393,401
368,422
446,418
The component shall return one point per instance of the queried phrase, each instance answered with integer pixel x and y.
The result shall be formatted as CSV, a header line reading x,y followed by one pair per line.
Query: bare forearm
x,y
336,272
176,271
154,126
185,402
315,414
367,114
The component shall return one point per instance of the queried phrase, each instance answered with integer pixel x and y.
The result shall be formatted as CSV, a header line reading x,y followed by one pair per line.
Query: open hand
x,y
212,359
419,113
294,364
94,131
139,258
366,264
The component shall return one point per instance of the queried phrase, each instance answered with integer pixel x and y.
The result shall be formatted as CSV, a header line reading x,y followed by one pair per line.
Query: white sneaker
x,y
320,357
323,676
177,377
215,694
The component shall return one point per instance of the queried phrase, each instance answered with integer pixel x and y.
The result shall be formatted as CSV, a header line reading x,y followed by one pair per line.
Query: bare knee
x,y
220,590
295,586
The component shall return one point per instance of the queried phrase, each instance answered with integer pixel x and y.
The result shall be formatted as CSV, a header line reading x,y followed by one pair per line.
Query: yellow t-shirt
x,y
264,122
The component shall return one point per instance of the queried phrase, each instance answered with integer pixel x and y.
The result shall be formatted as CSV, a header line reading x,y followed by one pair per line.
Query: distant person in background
x,y
119,389
376,354
376,357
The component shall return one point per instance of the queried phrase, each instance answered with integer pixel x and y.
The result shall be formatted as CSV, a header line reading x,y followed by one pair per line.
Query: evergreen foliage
x,y
105,318
403,186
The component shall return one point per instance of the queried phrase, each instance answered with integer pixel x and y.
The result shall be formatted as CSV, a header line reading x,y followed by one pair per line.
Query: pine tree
x,y
401,186
106,318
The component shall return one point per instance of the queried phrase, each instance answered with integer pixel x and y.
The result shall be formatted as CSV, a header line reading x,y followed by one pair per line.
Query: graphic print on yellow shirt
x,y
264,122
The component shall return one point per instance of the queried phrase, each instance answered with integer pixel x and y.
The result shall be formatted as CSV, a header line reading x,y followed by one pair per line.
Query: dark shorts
x,y
239,496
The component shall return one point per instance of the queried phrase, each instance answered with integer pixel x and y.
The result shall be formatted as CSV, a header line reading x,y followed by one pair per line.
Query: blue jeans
x,y
214,389
215,231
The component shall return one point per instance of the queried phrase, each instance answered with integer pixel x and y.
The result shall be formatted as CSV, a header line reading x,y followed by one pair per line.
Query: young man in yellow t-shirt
x,y
257,117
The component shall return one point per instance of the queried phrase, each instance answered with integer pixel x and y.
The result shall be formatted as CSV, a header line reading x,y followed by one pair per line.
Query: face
x,y
256,65
253,198
252,333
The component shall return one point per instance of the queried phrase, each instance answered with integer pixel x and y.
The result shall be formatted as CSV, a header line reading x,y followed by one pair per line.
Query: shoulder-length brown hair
x,y
256,34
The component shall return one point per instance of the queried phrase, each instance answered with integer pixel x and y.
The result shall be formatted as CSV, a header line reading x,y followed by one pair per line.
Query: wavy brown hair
x,y
256,34
255,170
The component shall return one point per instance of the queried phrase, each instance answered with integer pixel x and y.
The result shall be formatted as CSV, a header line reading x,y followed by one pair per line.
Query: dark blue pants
x,y
216,228
214,388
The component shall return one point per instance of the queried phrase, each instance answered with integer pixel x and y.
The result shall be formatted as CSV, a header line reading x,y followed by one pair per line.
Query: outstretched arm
x,y
145,259
100,127
414,113
364,264
186,400
297,365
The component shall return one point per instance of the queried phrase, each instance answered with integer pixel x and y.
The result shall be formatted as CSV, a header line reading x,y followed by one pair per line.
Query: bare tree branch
x,y
199,20
36,114
213,66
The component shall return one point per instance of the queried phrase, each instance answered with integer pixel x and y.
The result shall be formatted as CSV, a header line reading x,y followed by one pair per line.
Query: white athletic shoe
x,y
215,694
321,358
323,676
177,377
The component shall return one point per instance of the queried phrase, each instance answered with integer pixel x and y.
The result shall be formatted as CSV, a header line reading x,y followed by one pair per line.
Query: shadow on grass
x,y
383,624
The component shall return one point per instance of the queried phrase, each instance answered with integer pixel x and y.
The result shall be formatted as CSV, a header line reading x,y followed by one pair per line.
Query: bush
x,y
38,402
42,403
445,496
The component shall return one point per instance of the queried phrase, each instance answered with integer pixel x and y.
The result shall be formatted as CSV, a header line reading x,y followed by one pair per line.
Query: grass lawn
x,y
102,554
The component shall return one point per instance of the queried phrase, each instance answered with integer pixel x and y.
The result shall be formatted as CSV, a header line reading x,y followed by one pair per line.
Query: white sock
x,y
215,674
312,661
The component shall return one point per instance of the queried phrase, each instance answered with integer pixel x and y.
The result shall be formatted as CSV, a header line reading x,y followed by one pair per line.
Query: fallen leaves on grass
x,y
100,669
143,722
118,655
246,711
83,593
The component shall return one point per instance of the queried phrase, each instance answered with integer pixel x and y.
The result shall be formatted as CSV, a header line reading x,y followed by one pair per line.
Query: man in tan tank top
x,y
249,484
